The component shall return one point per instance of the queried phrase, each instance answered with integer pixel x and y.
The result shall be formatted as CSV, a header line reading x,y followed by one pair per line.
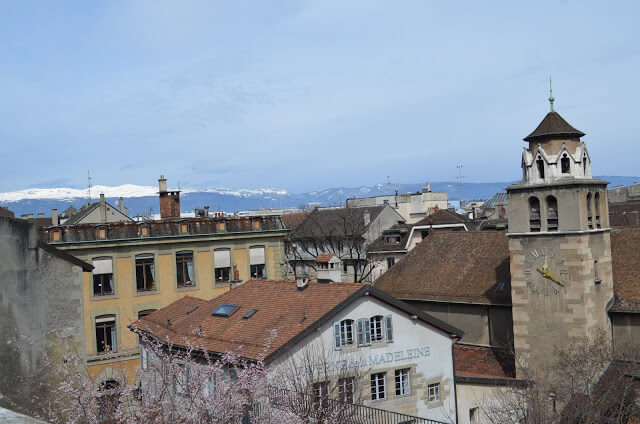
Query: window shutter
x,y
102,266
360,327
367,332
222,258
337,340
256,255
389,328
144,358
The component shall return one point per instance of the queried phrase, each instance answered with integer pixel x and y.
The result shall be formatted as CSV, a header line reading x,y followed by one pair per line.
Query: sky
x,y
307,95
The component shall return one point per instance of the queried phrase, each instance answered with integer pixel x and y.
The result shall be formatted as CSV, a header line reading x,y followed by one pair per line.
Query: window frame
x,y
346,389
379,391
108,322
433,392
182,262
346,332
145,262
102,277
376,324
403,381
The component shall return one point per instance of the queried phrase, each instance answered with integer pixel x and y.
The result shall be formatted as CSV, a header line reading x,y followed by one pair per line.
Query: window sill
x,y
187,288
113,356
104,297
146,292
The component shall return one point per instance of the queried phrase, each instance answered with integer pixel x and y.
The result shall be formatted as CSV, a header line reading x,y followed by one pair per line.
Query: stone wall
x,y
41,311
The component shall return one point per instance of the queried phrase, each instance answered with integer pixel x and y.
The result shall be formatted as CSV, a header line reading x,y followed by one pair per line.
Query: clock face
x,y
545,271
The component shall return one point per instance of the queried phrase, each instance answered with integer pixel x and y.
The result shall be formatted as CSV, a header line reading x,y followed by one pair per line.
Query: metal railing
x,y
323,408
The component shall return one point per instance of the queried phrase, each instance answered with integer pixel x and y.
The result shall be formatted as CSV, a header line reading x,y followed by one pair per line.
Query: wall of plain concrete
x,y
41,311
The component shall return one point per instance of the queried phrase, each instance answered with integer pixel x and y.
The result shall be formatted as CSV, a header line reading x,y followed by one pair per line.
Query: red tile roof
x,y
453,267
444,216
626,214
625,261
280,306
292,220
324,257
483,362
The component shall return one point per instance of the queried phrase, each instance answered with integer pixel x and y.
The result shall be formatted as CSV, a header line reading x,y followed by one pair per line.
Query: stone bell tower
x,y
559,241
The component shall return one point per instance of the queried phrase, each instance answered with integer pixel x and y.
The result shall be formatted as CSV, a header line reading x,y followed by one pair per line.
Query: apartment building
x,y
140,267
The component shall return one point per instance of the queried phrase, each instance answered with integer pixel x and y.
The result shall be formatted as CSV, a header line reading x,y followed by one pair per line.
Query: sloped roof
x,y
292,220
483,362
495,200
280,306
453,267
626,214
325,257
553,125
6,212
66,256
625,261
381,244
443,217
338,222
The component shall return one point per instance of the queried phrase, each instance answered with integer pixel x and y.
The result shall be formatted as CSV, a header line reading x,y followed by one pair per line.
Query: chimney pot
x,y
54,217
121,205
162,184
40,214
103,208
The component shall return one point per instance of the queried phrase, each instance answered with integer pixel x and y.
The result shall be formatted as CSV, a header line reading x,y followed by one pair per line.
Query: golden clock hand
x,y
542,271
556,279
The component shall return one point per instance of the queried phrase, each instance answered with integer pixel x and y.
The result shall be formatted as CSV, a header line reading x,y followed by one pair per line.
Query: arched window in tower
x,y
584,165
589,217
552,214
596,201
565,163
540,165
534,215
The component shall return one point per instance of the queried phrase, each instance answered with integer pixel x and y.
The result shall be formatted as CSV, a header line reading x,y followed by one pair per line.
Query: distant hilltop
x,y
144,199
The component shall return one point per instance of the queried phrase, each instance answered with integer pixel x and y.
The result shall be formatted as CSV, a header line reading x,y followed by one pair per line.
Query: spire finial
x,y
551,98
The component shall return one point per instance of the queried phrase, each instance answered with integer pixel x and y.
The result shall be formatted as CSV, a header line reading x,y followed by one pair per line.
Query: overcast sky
x,y
307,95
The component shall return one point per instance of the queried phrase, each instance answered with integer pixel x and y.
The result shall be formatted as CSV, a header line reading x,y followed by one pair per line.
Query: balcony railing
x,y
348,413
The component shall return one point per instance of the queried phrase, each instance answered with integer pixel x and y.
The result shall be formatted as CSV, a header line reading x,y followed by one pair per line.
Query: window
x,y
565,164
222,226
474,415
552,214
249,314
540,165
222,265
145,275
257,261
393,239
106,334
376,328
596,201
402,382
534,215
142,314
345,389
210,387
363,326
184,268
182,379
256,224
378,386
144,358
144,230
391,261
346,332
433,391
102,276
55,235
589,217
225,310
321,394
102,233
184,228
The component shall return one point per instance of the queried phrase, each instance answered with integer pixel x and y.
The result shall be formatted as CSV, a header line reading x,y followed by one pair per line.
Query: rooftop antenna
x,y
460,177
388,185
89,187
551,98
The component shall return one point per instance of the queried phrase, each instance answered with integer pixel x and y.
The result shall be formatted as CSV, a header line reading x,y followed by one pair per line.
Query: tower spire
x,y
551,98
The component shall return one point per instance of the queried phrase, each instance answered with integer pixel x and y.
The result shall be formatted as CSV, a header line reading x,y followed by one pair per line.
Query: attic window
x,y
55,235
102,233
184,228
222,226
256,225
225,310
249,314
393,239
144,231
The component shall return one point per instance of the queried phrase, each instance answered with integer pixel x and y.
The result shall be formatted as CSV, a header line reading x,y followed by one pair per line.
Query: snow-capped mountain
x,y
144,199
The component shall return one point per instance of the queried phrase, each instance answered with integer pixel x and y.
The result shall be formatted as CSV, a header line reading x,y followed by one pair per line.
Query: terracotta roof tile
x,y
324,257
292,220
338,222
454,267
625,214
485,362
280,306
442,217
625,261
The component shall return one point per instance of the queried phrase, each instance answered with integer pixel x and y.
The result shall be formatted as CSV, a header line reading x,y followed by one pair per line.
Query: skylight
x,y
249,314
224,310
500,287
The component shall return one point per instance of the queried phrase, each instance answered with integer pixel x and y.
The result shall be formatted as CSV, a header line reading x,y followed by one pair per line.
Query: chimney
x,y
54,217
302,282
121,204
103,208
367,218
428,187
162,184
40,214
206,211
169,200
236,273
26,216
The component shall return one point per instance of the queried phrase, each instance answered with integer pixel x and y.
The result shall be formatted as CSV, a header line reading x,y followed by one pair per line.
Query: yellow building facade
x,y
134,276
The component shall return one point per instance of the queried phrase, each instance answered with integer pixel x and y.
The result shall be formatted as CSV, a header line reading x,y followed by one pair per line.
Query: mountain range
x,y
144,199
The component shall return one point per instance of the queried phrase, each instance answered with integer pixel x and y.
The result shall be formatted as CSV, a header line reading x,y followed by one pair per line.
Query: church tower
x,y
559,242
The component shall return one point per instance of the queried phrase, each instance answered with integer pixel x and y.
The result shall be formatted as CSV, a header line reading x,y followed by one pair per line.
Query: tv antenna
x,y
88,187
460,181
388,185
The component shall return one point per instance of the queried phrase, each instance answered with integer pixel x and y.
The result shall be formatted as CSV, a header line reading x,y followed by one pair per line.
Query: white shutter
x,y
102,266
360,329
367,332
222,258
144,358
389,328
256,255
337,339
145,256
105,319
